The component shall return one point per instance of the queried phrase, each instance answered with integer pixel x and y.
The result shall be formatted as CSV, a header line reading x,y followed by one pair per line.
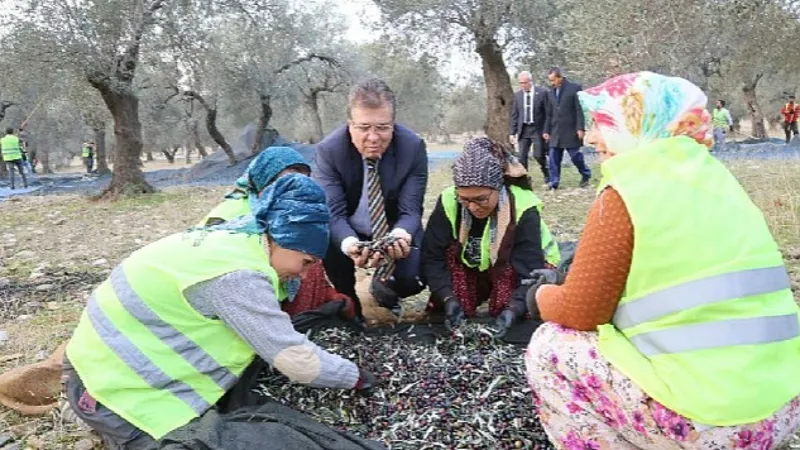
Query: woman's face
x,y
595,139
480,201
288,263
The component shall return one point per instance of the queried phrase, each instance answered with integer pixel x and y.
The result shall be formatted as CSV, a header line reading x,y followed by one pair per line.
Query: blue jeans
x,y
557,155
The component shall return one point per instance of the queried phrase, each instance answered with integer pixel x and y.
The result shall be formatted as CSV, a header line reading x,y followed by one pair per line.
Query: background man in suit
x,y
565,127
374,173
528,117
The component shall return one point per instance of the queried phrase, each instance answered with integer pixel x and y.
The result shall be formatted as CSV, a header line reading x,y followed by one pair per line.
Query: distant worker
x,y
28,158
790,112
721,121
87,153
12,156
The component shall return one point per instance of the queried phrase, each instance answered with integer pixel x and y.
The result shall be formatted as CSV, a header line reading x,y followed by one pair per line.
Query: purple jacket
x,y
404,177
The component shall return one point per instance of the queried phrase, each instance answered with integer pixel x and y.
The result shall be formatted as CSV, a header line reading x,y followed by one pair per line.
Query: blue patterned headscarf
x,y
263,170
293,212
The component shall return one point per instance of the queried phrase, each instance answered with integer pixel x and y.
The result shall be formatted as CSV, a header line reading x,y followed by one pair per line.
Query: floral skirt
x,y
585,403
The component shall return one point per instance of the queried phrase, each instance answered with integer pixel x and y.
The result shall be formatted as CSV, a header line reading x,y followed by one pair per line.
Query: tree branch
x,y
312,56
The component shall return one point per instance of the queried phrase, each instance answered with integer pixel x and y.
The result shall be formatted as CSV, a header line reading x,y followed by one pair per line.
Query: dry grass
x,y
63,240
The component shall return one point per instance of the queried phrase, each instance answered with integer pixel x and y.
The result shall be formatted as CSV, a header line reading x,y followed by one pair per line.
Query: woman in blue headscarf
x,y
177,323
270,165
267,167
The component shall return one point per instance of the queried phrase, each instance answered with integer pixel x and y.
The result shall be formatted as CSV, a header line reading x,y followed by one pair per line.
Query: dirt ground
x,y
55,249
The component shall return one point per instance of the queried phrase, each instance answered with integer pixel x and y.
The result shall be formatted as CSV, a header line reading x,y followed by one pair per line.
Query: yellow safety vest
x,y
11,148
143,352
523,200
707,324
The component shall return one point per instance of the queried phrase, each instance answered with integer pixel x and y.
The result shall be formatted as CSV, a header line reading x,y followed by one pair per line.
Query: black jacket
x,y
540,109
565,116
526,254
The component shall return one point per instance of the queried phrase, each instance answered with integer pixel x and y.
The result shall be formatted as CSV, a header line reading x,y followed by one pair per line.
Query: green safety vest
x,y
720,118
11,148
142,351
707,324
523,200
87,152
227,210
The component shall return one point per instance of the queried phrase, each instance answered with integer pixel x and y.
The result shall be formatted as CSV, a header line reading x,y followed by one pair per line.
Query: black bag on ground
x,y
270,426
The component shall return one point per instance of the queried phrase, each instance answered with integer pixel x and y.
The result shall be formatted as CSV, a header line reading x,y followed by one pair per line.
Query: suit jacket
x,y
565,116
403,172
540,111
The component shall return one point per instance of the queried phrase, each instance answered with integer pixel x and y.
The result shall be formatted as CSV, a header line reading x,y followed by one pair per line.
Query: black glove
x,y
454,315
366,380
536,279
731,128
504,322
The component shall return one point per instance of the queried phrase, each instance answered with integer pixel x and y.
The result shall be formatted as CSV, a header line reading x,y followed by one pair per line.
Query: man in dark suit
x,y
565,127
374,173
528,117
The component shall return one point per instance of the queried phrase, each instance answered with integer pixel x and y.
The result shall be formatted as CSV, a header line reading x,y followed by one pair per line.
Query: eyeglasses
x,y
380,128
480,201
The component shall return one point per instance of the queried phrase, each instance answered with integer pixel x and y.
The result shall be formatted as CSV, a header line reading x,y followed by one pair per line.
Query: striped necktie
x,y
377,215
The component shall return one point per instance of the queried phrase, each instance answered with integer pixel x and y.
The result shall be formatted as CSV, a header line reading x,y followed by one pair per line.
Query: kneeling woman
x,y
485,236
675,327
174,327
274,162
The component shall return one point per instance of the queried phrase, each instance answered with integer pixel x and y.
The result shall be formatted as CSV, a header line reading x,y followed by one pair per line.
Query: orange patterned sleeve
x,y
598,274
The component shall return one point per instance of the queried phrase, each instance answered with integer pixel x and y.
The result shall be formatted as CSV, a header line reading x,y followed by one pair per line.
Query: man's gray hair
x,y
556,71
370,93
525,74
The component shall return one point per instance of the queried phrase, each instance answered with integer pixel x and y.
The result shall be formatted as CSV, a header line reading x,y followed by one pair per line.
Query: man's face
x,y
719,104
525,83
555,80
791,100
371,130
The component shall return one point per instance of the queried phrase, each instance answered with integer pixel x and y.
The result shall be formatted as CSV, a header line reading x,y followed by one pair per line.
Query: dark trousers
x,y
528,138
119,434
557,155
406,280
16,165
88,161
790,128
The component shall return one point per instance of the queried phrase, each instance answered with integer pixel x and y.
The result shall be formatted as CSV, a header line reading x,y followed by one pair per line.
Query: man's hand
x,y
358,254
546,136
581,133
512,139
402,247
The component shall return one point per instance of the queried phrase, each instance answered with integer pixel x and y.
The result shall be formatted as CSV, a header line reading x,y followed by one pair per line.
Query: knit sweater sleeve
x,y
245,300
599,271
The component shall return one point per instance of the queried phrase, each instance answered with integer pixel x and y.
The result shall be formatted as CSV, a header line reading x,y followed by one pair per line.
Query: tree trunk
x,y
316,121
263,121
211,125
195,134
100,148
170,154
150,157
188,153
127,177
751,100
498,89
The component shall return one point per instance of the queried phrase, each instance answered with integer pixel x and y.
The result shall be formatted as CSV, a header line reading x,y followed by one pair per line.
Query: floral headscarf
x,y
635,109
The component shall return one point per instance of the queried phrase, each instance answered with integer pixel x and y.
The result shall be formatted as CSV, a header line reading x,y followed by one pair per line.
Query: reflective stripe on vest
x,y
718,288
11,148
707,324
170,336
87,152
523,200
724,333
138,361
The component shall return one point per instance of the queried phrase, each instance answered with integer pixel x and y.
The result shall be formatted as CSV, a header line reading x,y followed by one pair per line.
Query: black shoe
x,y
551,187
585,182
